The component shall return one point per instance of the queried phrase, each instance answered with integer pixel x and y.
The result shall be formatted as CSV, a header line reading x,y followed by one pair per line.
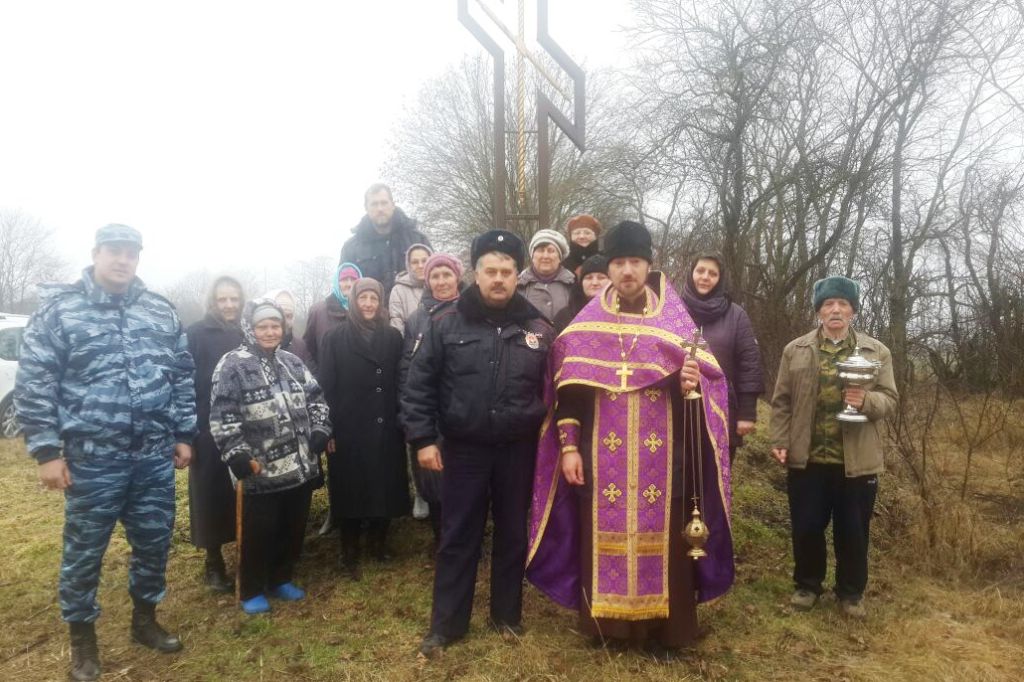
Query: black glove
x,y
318,442
240,466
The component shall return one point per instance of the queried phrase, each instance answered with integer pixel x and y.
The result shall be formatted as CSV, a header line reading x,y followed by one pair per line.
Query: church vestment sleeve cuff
x,y
569,435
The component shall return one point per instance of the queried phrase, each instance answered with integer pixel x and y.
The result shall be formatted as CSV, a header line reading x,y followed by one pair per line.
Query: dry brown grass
x,y
920,627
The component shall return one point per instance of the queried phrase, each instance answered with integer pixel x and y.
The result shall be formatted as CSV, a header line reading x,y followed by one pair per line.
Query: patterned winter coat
x,y
267,405
104,376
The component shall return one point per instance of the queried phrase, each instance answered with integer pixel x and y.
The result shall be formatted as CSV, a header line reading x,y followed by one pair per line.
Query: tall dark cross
x,y
574,129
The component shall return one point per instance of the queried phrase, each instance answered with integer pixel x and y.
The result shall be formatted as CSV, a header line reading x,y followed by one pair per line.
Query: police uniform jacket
x,y
478,376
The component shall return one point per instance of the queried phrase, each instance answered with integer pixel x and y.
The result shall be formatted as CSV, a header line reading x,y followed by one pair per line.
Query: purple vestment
x,y
632,437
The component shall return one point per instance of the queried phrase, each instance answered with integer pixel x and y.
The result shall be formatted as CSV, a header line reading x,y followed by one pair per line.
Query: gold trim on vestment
x,y
610,292
718,455
633,481
551,492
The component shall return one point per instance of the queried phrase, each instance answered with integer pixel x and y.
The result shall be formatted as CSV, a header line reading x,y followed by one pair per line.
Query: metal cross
x,y
575,130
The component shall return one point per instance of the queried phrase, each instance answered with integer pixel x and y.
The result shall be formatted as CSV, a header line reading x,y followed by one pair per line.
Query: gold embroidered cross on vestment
x,y
612,441
612,492
652,493
653,442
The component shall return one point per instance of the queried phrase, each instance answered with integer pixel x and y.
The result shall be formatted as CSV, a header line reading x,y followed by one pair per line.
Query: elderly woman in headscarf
x,y
211,501
368,484
593,277
269,419
285,300
324,316
409,285
443,276
730,336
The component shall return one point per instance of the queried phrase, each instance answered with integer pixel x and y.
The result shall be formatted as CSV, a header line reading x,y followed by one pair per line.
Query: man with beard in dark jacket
x,y
211,497
381,239
477,380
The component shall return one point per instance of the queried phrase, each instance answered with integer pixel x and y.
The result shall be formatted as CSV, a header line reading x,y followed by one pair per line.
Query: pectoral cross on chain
x,y
624,374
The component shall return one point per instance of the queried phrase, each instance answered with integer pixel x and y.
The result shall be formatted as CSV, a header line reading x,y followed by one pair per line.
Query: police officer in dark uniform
x,y
477,382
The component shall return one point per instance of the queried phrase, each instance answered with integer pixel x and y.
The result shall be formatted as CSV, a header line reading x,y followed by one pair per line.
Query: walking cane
x,y
255,466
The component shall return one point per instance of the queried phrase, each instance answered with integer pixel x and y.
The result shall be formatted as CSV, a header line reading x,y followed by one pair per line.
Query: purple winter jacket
x,y
731,339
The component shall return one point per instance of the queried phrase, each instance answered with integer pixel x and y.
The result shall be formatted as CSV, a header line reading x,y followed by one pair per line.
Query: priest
x,y
634,448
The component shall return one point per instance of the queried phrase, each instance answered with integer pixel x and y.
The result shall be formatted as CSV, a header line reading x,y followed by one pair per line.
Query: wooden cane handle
x,y
255,466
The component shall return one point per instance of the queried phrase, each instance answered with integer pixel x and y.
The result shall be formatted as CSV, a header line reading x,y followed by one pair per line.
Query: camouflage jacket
x,y
105,376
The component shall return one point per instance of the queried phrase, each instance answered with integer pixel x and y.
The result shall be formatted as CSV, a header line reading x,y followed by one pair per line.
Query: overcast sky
x,y
232,133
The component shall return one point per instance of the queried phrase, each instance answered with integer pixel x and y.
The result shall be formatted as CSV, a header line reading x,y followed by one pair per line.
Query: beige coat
x,y
405,298
549,298
795,400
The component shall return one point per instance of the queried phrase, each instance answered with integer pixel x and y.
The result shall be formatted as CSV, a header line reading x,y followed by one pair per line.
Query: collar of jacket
x,y
97,295
860,340
405,279
399,223
212,320
527,276
471,305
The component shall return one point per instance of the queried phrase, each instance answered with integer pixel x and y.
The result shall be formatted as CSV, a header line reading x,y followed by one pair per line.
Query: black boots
x,y
216,574
147,632
85,656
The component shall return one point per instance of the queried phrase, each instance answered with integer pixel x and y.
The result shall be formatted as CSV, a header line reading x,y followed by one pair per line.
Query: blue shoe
x,y
257,604
287,592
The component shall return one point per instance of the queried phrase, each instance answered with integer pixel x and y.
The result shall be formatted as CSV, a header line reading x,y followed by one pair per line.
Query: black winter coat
x,y
477,380
209,340
211,501
382,256
360,381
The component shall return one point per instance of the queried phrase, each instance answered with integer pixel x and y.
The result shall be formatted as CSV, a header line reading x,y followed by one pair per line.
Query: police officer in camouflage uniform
x,y
104,395
833,466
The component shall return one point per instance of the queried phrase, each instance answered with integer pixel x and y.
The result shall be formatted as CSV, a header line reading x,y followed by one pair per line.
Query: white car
x,y
11,328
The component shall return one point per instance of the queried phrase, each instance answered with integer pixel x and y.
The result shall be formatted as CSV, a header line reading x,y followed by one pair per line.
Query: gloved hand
x,y
318,442
241,466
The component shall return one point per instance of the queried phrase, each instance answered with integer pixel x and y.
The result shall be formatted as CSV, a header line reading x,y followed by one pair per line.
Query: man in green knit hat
x,y
833,465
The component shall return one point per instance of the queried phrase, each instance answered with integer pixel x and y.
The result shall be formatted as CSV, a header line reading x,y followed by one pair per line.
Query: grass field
x,y
918,628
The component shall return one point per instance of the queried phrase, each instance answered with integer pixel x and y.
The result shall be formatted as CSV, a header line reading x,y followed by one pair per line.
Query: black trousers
x,y
273,527
478,477
820,494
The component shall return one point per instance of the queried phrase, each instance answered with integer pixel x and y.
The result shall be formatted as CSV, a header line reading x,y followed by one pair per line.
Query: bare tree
x,y
27,258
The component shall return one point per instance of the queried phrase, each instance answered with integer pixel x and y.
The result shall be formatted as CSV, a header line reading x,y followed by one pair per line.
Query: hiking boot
x,y
854,608
85,656
147,632
803,600
433,644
